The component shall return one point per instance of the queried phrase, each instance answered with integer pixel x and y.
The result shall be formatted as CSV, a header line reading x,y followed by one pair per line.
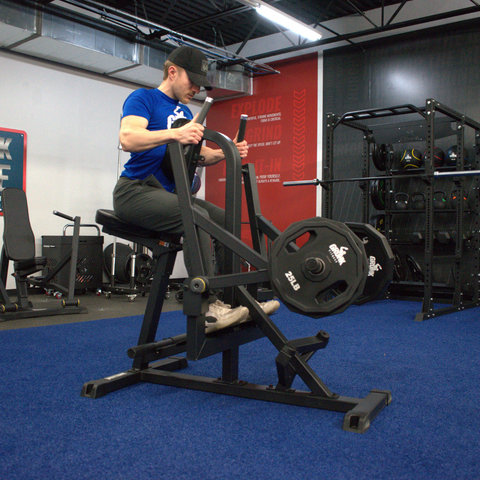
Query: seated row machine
x,y
159,361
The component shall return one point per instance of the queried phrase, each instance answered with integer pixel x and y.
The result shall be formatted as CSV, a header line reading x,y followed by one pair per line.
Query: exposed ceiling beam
x,y
364,33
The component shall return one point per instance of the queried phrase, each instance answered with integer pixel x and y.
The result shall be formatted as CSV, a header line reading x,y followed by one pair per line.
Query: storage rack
x,y
433,128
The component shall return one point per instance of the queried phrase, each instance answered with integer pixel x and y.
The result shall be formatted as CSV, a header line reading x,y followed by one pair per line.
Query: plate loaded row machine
x,y
321,277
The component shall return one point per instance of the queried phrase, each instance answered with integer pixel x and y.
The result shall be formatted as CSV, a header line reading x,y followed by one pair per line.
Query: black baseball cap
x,y
195,64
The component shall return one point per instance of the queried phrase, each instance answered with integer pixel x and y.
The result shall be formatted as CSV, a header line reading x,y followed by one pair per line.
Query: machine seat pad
x,y
108,219
36,263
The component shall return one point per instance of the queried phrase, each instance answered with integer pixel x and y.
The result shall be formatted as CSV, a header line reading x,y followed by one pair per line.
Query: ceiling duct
x,y
230,82
72,39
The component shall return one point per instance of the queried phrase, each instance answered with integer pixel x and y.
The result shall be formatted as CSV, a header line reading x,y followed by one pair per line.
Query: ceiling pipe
x,y
211,51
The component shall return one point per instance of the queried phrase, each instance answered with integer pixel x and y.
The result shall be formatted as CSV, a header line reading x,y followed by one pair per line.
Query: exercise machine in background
x,y
19,247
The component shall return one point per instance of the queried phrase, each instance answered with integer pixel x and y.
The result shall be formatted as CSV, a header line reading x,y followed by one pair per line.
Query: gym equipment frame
x,y
157,361
430,128
19,247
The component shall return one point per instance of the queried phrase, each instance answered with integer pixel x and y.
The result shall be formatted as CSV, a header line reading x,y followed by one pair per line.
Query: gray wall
x,y
71,119
441,63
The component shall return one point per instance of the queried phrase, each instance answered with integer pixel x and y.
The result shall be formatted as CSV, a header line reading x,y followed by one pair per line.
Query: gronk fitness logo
x,y
178,113
373,267
338,254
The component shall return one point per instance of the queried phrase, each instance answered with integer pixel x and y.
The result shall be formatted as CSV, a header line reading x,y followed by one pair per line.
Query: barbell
x,y
324,183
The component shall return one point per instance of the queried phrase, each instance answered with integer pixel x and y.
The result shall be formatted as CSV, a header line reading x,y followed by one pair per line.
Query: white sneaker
x,y
268,307
224,316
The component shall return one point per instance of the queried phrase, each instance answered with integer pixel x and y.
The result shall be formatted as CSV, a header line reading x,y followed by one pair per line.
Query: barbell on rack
x,y
324,183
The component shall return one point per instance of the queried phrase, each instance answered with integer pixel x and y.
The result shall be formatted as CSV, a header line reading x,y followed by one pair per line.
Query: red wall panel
x,y
282,135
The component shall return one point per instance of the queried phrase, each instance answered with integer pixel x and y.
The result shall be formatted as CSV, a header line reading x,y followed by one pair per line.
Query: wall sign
x,y
282,135
13,159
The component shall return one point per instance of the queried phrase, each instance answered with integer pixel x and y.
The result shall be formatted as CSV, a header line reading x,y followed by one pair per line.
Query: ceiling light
x,y
275,15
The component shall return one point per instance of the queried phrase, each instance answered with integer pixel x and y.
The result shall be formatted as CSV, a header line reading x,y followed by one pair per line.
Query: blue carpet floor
x,y
430,431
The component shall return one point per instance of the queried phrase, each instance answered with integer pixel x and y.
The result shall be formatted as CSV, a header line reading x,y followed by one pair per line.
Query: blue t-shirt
x,y
161,111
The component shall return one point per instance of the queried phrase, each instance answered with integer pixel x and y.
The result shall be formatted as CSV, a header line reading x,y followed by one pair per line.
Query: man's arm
x,y
135,137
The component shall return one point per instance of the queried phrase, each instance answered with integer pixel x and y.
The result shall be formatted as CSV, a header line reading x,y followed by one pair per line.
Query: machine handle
x,y
204,110
316,181
63,215
242,128
84,225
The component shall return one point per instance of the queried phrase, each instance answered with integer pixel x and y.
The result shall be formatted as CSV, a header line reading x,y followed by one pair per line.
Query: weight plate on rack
x,y
378,222
377,194
381,155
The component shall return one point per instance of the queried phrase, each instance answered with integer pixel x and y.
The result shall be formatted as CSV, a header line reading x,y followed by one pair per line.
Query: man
x,y
144,196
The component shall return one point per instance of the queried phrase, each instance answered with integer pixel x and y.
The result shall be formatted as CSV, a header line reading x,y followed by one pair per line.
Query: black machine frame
x,y
23,308
158,361
428,290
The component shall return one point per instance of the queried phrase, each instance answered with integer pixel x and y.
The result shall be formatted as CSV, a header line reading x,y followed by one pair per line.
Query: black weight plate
x,y
143,267
378,222
379,157
382,155
399,273
361,246
381,261
341,271
415,269
377,194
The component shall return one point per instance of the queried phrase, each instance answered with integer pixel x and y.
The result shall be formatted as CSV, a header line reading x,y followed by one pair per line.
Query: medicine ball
x,y
411,159
438,157
451,156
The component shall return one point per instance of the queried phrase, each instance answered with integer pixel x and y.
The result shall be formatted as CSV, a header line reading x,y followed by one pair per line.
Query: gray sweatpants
x,y
147,204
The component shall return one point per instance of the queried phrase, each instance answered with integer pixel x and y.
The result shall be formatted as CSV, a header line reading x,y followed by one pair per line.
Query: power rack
x,y
459,238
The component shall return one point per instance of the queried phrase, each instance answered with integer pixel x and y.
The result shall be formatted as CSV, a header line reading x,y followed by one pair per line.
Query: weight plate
x,y
381,155
377,194
143,267
325,274
378,222
381,261
122,254
378,157
415,269
399,273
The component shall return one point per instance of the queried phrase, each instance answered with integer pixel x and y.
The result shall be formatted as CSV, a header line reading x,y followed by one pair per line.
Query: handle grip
x,y
204,110
63,215
316,181
242,128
